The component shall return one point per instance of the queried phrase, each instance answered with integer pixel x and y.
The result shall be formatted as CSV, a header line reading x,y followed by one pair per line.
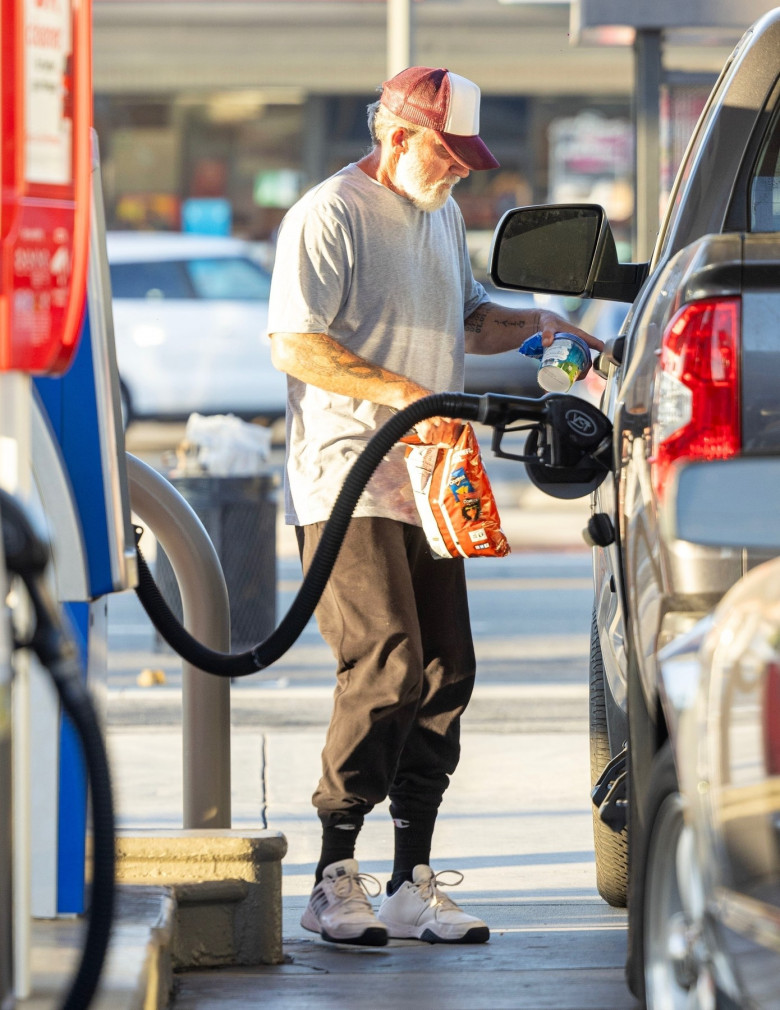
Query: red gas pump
x,y
45,165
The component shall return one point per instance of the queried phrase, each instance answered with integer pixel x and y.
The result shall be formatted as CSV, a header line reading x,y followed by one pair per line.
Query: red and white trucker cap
x,y
443,102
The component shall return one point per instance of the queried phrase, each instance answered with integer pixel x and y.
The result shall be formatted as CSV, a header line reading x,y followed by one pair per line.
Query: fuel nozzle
x,y
575,428
568,451
26,556
26,552
572,451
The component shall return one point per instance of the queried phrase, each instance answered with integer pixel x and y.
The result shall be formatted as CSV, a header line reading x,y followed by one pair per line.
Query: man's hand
x,y
438,430
434,430
431,430
551,323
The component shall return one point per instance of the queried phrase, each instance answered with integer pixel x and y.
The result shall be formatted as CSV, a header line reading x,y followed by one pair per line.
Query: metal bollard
x,y
205,698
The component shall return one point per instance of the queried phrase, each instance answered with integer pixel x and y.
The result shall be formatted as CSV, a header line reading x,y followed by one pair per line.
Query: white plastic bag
x,y
222,445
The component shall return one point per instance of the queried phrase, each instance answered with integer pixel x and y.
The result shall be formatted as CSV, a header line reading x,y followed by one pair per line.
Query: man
x,y
373,305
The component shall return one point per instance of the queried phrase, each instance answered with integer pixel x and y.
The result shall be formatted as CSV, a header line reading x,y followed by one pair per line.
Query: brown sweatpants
x,y
397,621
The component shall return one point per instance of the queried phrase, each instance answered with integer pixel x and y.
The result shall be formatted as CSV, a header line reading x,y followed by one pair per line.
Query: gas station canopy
x,y
588,17
311,46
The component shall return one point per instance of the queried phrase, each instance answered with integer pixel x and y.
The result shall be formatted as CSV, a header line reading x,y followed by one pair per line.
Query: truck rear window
x,y
765,184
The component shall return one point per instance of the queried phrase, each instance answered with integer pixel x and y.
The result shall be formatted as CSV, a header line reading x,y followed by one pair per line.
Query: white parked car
x,y
190,322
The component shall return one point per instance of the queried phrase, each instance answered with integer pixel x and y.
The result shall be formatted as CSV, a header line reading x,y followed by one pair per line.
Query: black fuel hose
x,y
65,671
26,556
468,406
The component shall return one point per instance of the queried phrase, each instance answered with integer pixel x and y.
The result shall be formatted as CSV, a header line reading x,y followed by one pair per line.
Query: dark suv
x,y
692,375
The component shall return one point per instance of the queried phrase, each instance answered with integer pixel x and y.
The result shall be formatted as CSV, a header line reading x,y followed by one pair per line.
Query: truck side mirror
x,y
564,249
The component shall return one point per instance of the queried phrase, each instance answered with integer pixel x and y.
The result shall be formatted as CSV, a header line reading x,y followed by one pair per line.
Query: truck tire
x,y
611,849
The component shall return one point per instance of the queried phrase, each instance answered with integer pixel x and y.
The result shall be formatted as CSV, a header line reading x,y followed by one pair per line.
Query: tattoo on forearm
x,y
330,360
476,321
481,316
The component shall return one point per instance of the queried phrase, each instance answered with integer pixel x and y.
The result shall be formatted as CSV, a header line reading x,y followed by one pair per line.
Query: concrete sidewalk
x,y
516,822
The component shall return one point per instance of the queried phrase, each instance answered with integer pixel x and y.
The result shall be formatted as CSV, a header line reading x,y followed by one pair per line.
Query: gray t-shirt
x,y
394,285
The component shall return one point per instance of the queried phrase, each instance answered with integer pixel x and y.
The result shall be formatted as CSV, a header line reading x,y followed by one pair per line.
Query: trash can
x,y
239,514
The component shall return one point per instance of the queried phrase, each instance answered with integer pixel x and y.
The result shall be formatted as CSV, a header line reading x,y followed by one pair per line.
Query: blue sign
x,y
212,216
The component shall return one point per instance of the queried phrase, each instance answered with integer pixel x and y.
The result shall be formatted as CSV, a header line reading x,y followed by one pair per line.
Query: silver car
x,y
712,869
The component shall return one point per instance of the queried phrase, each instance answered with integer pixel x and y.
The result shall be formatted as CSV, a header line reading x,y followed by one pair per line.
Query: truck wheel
x,y
676,971
611,848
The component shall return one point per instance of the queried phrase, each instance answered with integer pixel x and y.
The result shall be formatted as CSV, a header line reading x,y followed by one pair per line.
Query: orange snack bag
x,y
454,498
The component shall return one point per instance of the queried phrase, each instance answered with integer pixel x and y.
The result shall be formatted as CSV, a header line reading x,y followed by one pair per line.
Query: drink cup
x,y
562,362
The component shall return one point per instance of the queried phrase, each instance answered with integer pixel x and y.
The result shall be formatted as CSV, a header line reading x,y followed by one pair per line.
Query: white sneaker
x,y
420,910
339,909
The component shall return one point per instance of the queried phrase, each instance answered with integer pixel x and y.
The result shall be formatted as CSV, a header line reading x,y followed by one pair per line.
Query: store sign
x,y
207,216
279,187
589,155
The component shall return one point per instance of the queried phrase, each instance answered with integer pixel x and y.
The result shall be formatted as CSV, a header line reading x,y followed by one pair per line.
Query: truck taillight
x,y
697,402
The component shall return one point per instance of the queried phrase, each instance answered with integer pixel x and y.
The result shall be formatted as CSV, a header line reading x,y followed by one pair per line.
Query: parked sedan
x,y
711,862
190,322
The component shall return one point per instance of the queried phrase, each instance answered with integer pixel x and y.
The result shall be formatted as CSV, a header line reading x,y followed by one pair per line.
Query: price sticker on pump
x,y
46,107
48,48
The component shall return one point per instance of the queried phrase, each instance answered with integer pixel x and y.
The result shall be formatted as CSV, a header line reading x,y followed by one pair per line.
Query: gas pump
x,y
46,103
45,166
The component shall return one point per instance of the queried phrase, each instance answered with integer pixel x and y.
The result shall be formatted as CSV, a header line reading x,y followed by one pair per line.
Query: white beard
x,y
410,180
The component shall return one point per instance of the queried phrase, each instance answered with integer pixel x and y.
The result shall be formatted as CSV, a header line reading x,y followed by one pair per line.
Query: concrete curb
x,y
226,886
137,974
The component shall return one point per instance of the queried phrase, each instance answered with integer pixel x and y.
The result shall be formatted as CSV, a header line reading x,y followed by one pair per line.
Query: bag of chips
x,y
454,498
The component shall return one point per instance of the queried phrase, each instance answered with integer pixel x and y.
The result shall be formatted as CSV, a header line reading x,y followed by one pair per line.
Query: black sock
x,y
338,843
413,839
